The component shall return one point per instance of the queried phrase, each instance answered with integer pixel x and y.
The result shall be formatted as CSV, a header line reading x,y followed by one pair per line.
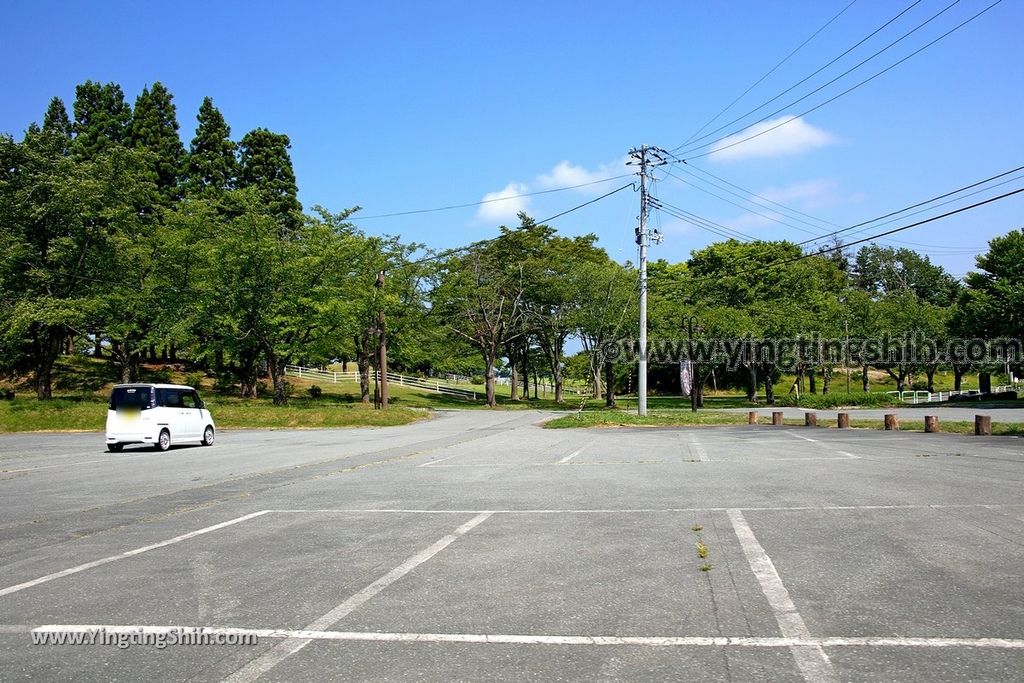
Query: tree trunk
x,y
97,348
382,363
930,374
595,377
492,399
247,373
46,348
277,375
609,384
812,381
864,379
513,367
769,387
826,379
958,375
752,382
364,378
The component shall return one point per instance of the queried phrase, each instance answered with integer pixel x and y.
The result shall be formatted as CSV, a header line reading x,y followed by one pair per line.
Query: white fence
x,y
401,380
915,397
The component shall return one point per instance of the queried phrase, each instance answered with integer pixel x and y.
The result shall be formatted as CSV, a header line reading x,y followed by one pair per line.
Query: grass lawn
x,y
89,413
621,418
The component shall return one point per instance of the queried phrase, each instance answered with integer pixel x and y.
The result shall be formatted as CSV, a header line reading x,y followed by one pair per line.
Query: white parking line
x,y
130,553
571,456
801,436
270,659
523,639
430,463
627,511
811,658
696,447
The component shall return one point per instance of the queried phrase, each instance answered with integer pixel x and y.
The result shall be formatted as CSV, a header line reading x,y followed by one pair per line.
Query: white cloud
x,y
566,174
816,192
503,205
776,137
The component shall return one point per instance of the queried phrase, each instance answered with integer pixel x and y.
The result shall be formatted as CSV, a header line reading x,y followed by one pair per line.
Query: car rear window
x,y
131,398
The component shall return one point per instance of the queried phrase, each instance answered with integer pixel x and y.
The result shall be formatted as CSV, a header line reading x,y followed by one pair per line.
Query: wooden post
x,y
777,418
892,423
982,425
844,420
752,417
810,419
931,424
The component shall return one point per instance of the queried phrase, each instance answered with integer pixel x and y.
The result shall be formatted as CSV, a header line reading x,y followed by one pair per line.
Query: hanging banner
x,y
685,376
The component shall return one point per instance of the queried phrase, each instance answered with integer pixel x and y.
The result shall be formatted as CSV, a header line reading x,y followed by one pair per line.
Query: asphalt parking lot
x,y
479,546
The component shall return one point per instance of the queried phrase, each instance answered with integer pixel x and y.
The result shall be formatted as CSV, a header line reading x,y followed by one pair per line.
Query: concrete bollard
x,y
982,425
752,417
810,419
777,418
892,423
931,424
844,420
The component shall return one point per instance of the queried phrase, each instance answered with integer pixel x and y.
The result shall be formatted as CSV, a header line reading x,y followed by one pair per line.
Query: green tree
x,y
608,295
992,305
885,270
212,161
102,119
267,168
479,295
154,128
277,291
57,124
62,223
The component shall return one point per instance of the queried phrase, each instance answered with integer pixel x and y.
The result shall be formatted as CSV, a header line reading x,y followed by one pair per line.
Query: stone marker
x,y
844,420
892,423
982,425
777,417
752,417
931,424
810,419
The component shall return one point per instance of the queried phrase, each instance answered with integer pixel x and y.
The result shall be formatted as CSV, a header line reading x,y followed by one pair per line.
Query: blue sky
x,y
399,106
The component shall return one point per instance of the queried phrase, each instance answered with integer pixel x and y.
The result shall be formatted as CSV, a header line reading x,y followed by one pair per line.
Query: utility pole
x,y
382,349
645,157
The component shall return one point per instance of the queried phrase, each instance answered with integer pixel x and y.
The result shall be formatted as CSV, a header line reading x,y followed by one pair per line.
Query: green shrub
x,y
161,375
477,379
194,379
315,391
827,401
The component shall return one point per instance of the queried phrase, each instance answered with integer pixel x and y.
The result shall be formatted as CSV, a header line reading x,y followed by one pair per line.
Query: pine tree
x,y
56,119
267,167
102,119
154,128
212,164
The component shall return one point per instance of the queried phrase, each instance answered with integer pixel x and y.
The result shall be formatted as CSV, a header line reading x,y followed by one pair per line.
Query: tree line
x,y
119,242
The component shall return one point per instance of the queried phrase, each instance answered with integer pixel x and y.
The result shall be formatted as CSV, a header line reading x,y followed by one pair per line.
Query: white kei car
x,y
157,414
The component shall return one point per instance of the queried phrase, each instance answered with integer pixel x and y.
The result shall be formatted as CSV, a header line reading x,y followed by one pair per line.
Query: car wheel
x,y
208,435
115,447
163,442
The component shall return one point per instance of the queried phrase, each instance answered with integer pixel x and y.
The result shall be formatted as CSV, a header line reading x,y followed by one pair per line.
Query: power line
x,y
686,166
827,250
474,245
489,201
771,71
920,204
833,98
740,206
700,221
819,70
